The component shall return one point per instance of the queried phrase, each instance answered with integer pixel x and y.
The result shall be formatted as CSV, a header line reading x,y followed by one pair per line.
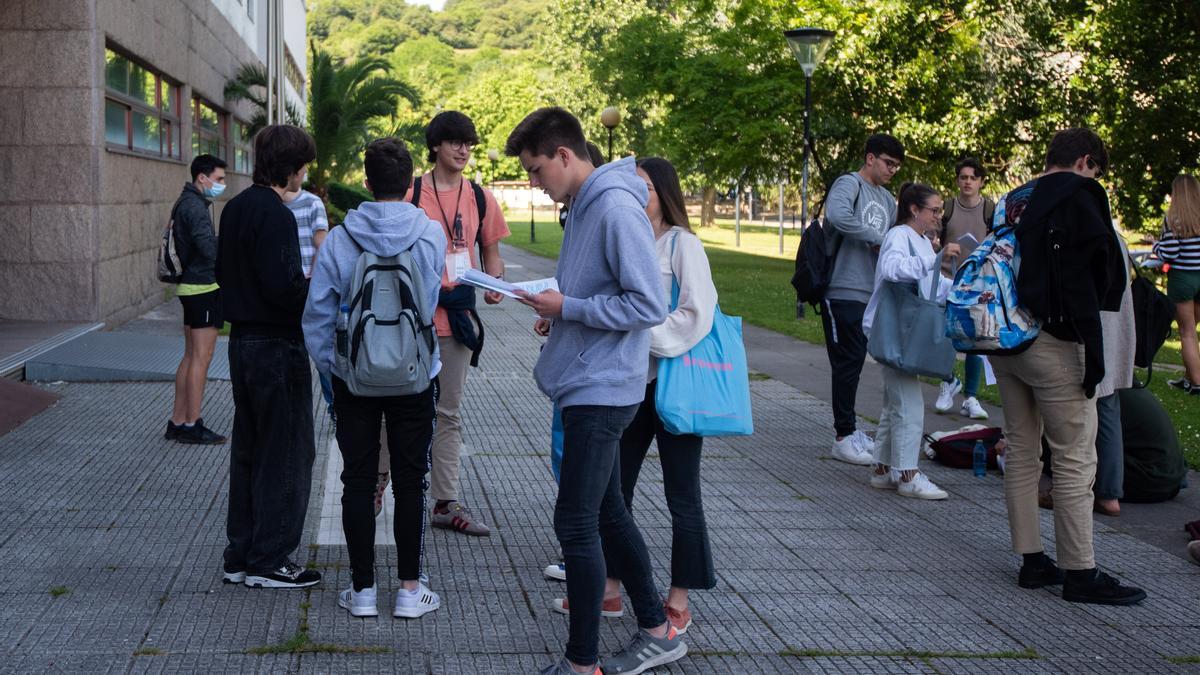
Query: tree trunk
x,y
708,207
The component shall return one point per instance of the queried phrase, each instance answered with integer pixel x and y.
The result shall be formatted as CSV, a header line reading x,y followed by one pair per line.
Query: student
x,y
1180,246
1071,270
681,259
966,221
385,227
196,242
451,200
593,366
860,209
906,256
262,294
312,224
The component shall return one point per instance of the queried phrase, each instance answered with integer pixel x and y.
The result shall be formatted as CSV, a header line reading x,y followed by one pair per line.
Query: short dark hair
x,y
595,154
545,130
666,184
449,125
281,150
389,168
970,163
884,144
206,164
1069,145
912,194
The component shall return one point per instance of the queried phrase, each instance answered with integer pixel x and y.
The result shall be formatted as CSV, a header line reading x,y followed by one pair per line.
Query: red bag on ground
x,y
958,450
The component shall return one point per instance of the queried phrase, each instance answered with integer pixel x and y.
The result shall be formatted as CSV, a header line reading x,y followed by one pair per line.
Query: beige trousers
x,y
1043,396
447,435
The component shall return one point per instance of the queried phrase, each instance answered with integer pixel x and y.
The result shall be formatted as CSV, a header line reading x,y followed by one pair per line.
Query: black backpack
x,y
814,259
1153,313
480,205
1154,463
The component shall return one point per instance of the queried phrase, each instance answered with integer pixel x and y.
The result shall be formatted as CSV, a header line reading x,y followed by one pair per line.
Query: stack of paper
x,y
488,282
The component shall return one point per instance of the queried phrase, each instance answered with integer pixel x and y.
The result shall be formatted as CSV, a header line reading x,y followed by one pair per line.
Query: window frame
x,y
170,125
200,134
241,143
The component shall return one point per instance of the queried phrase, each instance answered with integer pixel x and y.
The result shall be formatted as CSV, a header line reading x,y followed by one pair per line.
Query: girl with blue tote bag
x,y
680,256
906,258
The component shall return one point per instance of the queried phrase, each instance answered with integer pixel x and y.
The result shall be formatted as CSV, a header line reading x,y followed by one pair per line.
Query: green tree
x,y
250,84
344,100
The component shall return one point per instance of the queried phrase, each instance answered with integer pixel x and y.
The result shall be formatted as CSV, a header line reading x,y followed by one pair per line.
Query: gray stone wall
x,y
79,224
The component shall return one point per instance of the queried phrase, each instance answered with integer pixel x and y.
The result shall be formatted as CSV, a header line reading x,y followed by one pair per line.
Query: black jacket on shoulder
x,y
1071,264
263,288
195,236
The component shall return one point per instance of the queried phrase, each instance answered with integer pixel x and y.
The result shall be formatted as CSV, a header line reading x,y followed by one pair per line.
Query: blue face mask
x,y
214,190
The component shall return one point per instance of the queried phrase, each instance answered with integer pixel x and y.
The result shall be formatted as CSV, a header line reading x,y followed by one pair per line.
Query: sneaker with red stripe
x,y
459,518
611,608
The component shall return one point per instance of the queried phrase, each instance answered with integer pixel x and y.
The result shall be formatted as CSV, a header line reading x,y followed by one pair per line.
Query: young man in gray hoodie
x,y
860,209
384,227
593,367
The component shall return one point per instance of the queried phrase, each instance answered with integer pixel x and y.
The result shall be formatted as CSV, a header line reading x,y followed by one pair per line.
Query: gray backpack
x,y
389,346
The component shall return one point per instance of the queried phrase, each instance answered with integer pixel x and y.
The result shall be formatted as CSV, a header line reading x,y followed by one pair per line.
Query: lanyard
x,y
457,236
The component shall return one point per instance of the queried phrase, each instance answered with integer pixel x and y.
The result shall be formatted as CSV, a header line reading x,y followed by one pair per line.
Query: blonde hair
x,y
1183,216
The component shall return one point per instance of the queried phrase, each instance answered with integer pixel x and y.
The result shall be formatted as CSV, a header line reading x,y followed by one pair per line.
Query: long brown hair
x,y
1183,216
912,194
666,184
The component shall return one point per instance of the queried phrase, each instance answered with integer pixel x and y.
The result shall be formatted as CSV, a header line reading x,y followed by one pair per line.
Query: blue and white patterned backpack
x,y
983,313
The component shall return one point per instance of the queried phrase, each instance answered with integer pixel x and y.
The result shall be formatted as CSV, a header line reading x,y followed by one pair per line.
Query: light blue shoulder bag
x,y
909,329
706,392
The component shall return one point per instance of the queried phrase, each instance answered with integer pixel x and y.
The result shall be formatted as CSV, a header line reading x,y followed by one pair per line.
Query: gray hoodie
x,y
599,348
385,229
861,214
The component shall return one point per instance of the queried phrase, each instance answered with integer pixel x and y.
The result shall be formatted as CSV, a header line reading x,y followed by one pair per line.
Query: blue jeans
x,y
1110,449
974,368
593,525
272,453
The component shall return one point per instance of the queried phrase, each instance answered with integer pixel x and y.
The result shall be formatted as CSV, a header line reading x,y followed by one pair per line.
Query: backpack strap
x,y
989,212
416,198
481,209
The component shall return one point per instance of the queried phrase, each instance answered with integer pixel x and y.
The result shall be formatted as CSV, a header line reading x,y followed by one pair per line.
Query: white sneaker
x,y
556,571
885,481
971,408
849,451
413,604
945,399
864,442
920,487
359,603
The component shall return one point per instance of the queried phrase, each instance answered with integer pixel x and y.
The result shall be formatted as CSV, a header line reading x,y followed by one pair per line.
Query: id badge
x,y
457,264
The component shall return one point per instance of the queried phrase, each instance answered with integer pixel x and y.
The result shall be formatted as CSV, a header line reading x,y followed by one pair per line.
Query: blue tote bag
x,y
706,392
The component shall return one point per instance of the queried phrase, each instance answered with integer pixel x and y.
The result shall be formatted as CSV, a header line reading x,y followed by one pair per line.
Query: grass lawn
x,y
754,282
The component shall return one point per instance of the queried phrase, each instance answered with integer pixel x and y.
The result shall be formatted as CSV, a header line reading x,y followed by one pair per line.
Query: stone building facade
x,y
103,104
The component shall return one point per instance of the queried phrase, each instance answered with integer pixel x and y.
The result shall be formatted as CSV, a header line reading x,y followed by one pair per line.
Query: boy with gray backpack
x,y
368,323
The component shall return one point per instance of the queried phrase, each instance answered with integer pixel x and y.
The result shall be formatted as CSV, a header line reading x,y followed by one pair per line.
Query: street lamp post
x,y
493,155
610,117
808,45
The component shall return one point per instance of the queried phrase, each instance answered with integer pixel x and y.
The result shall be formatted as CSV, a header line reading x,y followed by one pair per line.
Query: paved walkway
x,y
112,539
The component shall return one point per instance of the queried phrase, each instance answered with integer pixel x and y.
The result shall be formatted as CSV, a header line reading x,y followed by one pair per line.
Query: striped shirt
x,y
309,211
1182,254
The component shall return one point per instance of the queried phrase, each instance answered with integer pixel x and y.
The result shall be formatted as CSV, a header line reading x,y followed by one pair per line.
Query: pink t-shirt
x,y
439,206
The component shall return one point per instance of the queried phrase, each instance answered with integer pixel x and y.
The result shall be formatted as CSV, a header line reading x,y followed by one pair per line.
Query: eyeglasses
x,y
937,210
1095,166
459,145
890,163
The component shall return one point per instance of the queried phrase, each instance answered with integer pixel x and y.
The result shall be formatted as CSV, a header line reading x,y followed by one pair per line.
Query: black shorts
x,y
202,311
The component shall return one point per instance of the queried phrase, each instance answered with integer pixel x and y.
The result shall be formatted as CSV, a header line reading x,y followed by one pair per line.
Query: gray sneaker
x,y
645,652
459,518
564,668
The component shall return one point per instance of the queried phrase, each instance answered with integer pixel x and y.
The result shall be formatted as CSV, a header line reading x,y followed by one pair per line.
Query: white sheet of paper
x,y
488,282
968,237
989,376
536,286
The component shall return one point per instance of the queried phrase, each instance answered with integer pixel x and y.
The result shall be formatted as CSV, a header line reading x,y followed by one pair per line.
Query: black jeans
x,y
691,554
847,348
272,453
410,421
593,526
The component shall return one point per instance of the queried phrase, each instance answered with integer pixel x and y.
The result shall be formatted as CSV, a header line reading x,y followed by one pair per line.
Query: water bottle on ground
x,y
342,333
980,460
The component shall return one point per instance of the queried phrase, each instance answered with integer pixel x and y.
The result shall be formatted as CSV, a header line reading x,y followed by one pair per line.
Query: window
x,y
243,148
141,108
210,130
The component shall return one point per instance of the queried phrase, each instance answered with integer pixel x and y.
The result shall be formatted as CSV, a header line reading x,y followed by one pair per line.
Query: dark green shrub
x,y
346,197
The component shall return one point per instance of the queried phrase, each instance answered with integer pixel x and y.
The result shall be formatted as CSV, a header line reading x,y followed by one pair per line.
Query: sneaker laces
x,y
290,569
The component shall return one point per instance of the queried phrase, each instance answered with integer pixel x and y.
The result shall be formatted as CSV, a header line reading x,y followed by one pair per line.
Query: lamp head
x,y
610,117
493,154
808,46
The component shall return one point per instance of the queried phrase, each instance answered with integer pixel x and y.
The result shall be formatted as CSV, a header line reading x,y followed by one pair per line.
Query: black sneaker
x,y
1101,589
1181,383
199,434
287,575
1036,575
172,430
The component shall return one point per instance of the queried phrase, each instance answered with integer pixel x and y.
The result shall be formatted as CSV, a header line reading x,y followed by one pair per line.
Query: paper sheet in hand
x,y
488,282
968,238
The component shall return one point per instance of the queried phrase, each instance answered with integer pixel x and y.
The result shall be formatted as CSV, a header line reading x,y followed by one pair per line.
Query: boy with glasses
x,y
861,209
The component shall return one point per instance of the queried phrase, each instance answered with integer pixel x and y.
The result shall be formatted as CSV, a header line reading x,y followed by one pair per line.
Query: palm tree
x,y
344,98
250,84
